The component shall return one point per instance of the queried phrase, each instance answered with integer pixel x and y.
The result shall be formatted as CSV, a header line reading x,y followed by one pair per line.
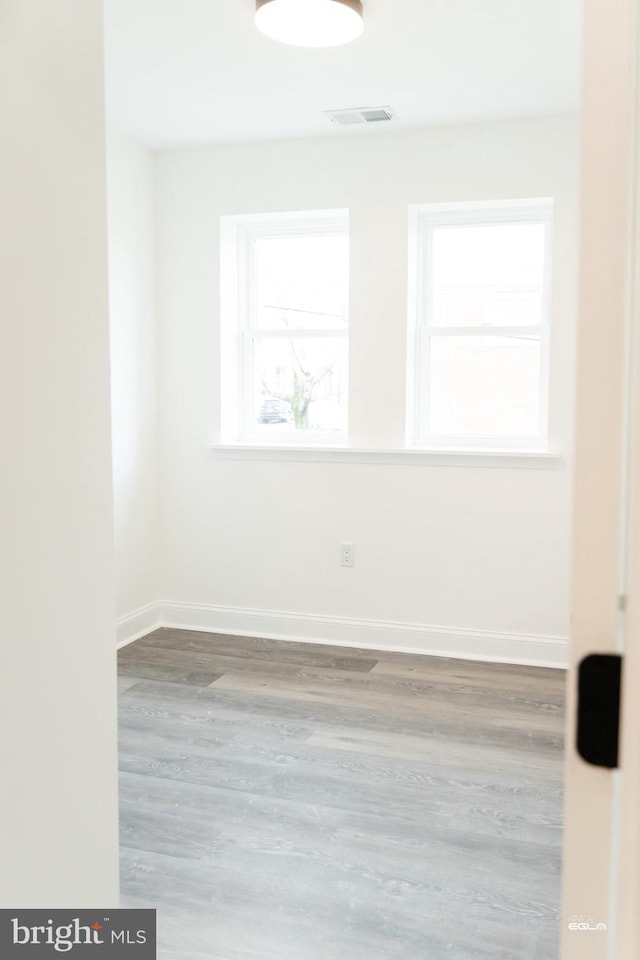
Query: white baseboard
x,y
135,625
462,643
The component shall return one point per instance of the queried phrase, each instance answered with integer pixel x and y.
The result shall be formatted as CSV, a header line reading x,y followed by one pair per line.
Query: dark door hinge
x,y
599,685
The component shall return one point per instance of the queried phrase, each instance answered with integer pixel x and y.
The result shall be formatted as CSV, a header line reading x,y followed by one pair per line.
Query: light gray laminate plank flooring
x,y
285,801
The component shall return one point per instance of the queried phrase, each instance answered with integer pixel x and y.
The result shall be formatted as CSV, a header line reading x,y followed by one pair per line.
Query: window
x,y
479,296
285,310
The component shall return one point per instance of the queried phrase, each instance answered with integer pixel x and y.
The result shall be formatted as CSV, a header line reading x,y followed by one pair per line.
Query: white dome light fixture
x,y
310,23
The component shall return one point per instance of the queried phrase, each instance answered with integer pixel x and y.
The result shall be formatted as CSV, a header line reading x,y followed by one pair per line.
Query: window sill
x,y
521,459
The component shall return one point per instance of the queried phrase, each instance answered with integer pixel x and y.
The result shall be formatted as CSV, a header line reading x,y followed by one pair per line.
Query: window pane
x,y
300,384
485,386
488,275
302,282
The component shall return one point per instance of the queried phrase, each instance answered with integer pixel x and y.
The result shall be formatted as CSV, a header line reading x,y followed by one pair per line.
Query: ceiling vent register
x,y
343,118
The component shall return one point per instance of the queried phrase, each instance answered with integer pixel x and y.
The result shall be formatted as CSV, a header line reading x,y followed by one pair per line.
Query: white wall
x,y
58,830
470,549
131,216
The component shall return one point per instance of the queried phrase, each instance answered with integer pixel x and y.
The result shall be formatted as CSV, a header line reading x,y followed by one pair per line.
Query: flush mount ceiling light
x,y
310,23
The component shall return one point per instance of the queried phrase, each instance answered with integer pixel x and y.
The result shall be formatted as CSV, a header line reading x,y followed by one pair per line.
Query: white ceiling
x,y
197,71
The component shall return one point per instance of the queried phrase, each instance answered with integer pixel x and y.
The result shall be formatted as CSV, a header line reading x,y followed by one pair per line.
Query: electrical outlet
x,y
347,555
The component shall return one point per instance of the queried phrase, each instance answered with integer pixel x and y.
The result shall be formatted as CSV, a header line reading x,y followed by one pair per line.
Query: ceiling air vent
x,y
343,118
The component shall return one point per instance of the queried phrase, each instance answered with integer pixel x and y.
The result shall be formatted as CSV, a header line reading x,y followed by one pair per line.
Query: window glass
x,y
480,291
302,282
484,386
488,275
299,384
284,327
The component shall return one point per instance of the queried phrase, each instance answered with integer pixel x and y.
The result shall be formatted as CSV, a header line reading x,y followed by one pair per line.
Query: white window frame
x,y
423,219
239,332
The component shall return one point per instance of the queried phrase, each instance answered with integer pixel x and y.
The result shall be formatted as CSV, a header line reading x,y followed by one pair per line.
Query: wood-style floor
x,y
285,801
